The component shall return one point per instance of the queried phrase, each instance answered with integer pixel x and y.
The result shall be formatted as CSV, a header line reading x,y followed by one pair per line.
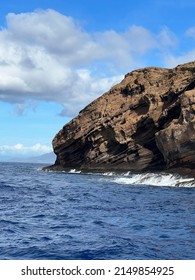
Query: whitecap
x,y
75,171
155,179
108,174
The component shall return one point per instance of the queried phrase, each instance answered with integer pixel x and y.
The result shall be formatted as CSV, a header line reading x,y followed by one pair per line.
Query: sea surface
x,y
58,215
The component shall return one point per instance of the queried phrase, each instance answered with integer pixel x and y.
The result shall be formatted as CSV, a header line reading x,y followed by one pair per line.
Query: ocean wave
x,y
130,178
74,171
155,179
115,174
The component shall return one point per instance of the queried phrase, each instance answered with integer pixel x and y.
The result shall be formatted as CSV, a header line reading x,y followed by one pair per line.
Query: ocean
x,y
75,216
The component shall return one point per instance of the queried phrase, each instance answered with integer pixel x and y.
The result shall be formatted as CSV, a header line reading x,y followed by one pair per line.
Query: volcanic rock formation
x,y
146,122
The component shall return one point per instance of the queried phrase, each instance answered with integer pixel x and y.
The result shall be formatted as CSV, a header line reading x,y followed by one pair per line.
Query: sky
x,y
57,56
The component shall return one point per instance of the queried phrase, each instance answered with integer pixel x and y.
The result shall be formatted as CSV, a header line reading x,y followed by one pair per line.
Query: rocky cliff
x,y
146,122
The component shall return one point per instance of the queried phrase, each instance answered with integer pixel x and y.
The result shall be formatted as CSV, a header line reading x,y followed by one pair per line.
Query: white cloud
x,y
191,32
20,149
45,55
172,60
167,38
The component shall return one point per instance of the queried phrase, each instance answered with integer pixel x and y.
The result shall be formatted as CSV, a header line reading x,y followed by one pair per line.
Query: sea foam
x,y
155,179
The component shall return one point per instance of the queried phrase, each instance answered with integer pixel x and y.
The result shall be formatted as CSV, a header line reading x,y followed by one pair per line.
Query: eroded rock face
x,y
146,122
177,141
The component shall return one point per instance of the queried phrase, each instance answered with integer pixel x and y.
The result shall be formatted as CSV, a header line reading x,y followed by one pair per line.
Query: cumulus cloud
x,y
45,55
20,149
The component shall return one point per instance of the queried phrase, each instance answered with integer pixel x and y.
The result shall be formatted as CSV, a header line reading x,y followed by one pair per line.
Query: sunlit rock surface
x,y
146,122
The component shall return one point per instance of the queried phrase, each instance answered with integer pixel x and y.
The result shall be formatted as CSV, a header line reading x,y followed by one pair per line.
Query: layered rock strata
x,y
146,122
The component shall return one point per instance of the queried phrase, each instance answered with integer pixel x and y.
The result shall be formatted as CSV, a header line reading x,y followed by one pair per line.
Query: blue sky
x,y
57,56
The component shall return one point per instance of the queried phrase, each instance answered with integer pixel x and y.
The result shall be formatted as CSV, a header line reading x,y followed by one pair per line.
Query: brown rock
x,y
146,122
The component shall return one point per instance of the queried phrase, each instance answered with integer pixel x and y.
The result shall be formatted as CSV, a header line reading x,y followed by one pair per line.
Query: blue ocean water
x,y
56,215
